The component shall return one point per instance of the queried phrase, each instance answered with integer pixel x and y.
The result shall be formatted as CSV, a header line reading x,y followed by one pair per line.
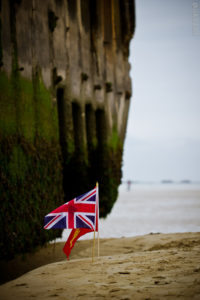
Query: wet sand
x,y
154,266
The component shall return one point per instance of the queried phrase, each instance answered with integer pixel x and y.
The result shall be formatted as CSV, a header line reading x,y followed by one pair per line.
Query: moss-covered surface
x,y
30,157
109,162
30,188
35,170
107,165
75,160
100,161
30,164
1,52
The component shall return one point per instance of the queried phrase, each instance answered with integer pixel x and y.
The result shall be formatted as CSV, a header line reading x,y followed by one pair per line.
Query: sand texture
x,y
154,266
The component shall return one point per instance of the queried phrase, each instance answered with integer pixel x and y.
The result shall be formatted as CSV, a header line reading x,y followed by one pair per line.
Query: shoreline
x,y
154,266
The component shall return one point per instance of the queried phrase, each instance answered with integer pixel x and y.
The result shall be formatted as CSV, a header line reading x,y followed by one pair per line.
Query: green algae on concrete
x,y
30,165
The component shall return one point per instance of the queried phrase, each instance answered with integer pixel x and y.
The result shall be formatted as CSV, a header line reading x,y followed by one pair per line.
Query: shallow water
x,y
148,209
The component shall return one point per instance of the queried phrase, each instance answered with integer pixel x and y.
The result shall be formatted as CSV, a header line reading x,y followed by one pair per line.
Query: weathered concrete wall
x,y
84,43
65,88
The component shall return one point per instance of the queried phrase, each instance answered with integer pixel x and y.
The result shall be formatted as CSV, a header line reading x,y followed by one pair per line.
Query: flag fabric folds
x,y
80,214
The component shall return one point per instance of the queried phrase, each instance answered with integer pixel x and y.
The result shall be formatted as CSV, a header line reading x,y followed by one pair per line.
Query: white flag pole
x,y
97,186
93,248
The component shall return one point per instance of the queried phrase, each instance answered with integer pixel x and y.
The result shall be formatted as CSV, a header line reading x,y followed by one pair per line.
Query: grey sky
x,y
163,136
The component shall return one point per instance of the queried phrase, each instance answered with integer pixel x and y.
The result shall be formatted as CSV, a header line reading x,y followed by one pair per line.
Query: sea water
x,y
165,208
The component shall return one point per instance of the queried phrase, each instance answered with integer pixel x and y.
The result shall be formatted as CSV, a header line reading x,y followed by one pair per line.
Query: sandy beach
x,y
154,266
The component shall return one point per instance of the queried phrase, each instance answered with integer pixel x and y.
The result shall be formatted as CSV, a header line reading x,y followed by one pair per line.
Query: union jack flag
x,y
81,212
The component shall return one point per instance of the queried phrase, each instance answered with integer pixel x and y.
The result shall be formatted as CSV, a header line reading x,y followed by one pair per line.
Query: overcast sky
x,y
163,134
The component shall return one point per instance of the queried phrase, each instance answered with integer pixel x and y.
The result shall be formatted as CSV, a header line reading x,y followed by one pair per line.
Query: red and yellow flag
x,y
73,237
76,233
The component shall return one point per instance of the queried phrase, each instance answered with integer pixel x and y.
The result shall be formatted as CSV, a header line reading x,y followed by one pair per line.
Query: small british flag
x,y
81,212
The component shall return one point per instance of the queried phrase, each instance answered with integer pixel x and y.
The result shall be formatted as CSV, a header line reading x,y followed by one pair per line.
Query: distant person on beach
x,y
129,185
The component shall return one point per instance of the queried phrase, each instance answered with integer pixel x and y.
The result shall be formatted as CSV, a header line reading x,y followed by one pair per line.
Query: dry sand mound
x,y
161,266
